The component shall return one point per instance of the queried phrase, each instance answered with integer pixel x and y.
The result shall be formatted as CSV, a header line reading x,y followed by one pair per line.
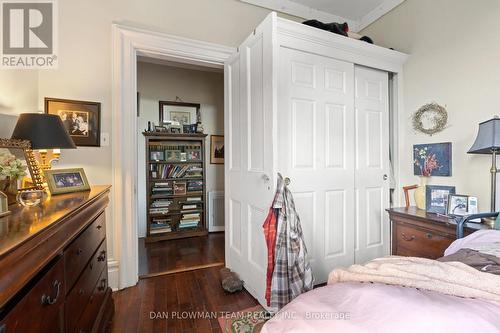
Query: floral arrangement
x,y
427,162
11,167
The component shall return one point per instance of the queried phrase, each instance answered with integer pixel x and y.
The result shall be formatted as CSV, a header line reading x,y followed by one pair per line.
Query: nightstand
x,y
417,233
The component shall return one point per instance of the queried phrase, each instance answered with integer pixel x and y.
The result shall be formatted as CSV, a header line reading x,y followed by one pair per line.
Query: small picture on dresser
x,y
66,180
437,198
458,205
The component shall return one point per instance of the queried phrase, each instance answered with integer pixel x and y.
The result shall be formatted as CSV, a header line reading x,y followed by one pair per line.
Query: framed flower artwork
x,y
433,159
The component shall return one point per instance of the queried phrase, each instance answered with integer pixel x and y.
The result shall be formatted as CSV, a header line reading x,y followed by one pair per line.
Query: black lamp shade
x,y
488,137
45,131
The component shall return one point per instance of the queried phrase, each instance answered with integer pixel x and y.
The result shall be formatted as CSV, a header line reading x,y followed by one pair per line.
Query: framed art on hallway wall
x,y
216,149
81,119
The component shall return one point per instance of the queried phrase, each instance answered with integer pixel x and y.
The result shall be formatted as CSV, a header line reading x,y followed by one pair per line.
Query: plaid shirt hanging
x,y
292,274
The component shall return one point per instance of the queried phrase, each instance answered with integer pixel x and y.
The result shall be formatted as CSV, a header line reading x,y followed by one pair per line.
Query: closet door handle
x,y
384,177
406,238
266,178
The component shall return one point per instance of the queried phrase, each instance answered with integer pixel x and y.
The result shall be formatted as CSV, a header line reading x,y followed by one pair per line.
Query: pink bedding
x,y
372,307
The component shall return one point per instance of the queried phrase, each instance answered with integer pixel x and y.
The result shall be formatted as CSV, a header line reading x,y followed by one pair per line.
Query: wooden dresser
x,y
417,233
53,266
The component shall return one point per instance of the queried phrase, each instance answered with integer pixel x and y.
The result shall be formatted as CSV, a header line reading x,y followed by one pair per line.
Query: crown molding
x,y
306,12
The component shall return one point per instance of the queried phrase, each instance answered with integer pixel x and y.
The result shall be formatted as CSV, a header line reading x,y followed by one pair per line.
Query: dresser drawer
x,y
90,312
79,252
79,296
419,242
41,309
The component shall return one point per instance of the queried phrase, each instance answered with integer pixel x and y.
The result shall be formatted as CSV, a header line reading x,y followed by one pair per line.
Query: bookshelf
x,y
175,191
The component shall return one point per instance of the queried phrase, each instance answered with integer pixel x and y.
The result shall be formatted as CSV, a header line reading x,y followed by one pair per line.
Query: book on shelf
x,y
160,203
188,225
161,210
160,230
193,199
185,207
190,215
164,171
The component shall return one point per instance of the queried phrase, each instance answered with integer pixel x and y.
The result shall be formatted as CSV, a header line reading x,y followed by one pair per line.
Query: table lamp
x,y
45,131
488,142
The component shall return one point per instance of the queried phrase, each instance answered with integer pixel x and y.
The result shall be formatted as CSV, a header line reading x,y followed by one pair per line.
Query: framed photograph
x,y
180,188
157,155
174,129
432,159
193,155
66,181
183,113
458,205
216,149
81,119
18,163
161,129
173,155
437,198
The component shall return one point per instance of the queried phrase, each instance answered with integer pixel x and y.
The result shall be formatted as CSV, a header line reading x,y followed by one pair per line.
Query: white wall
x,y
454,61
85,52
158,82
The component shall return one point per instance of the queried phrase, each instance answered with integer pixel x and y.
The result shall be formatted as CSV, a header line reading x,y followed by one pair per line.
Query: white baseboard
x,y
113,273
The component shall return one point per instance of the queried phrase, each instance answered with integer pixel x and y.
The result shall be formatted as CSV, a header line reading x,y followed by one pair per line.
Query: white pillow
x,y
478,238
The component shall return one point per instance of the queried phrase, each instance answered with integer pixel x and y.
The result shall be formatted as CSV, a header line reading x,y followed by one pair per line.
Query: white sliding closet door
x,y
249,164
372,163
316,151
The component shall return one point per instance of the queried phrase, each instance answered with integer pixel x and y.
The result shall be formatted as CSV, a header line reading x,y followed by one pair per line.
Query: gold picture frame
x,y
62,181
33,168
217,149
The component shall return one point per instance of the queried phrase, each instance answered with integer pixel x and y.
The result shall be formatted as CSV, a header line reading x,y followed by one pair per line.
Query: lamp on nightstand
x,y
45,131
488,142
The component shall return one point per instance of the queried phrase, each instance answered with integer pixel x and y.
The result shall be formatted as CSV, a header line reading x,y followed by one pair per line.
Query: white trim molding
x,y
113,274
128,44
377,13
296,9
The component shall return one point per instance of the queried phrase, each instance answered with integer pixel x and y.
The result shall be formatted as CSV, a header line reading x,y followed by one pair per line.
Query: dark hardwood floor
x,y
192,293
180,254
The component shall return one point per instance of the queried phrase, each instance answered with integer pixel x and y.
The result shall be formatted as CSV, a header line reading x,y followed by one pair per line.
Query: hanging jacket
x,y
270,236
292,274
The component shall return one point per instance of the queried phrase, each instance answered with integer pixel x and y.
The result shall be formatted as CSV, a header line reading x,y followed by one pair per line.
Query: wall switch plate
x,y
104,139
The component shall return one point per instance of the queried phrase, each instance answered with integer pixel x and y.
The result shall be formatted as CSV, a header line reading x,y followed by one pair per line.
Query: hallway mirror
x,y
184,113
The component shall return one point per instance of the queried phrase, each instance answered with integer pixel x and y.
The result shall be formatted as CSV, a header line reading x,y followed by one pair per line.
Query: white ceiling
x,y
358,13
350,9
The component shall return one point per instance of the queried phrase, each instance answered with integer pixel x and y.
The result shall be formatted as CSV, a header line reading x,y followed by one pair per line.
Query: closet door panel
x,y
316,151
249,176
372,163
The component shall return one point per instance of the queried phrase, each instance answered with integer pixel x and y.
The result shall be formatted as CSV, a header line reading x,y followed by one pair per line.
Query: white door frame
x,y
128,43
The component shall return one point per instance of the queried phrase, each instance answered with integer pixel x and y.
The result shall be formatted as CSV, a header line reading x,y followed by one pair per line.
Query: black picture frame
x,y
163,117
452,207
85,125
436,198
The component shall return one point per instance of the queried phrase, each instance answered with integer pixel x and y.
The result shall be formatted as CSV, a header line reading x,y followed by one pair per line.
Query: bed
x,y
459,292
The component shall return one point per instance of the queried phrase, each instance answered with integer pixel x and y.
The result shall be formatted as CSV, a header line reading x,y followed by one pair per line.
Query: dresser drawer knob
x,y
99,227
102,256
428,235
406,238
47,300
79,251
